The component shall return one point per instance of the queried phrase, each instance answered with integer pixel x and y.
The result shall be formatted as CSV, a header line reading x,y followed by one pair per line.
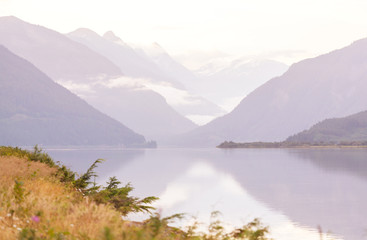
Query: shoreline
x,y
273,145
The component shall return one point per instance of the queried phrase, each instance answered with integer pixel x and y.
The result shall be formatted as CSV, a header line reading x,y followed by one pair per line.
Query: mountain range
x,y
151,67
121,55
331,85
36,110
145,89
89,75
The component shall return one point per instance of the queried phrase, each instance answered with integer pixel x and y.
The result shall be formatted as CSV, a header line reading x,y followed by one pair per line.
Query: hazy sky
x,y
287,30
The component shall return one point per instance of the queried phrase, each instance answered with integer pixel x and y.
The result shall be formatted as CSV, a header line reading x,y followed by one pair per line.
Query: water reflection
x,y
309,190
344,160
285,188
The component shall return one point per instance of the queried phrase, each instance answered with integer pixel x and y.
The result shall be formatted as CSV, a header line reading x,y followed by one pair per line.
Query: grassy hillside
x,y
348,129
42,200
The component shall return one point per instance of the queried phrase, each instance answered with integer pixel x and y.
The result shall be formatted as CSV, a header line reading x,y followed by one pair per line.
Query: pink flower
x,y
35,219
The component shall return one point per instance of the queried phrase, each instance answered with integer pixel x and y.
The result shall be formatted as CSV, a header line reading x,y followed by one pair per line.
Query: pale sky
x,y
286,30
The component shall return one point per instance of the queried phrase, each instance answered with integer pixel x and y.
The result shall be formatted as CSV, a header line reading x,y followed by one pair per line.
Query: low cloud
x,y
200,110
77,88
126,82
173,96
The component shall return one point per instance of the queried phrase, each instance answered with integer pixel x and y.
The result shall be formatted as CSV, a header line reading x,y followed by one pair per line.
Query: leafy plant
x,y
27,234
120,199
84,181
107,234
157,227
252,231
39,156
19,192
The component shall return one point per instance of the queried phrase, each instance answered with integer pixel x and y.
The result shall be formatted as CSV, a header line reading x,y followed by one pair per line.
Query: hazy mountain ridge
x,y
131,103
35,110
152,68
89,74
53,53
139,108
331,85
129,98
168,65
347,129
123,56
312,90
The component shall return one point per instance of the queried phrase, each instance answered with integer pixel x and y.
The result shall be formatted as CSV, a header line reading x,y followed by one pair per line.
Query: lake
x,y
293,191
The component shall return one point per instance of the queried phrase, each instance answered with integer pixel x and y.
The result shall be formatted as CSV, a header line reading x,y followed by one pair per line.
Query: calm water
x,y
292,190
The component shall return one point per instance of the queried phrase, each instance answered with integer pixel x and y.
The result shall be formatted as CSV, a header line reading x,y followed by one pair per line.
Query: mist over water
x,y
292,190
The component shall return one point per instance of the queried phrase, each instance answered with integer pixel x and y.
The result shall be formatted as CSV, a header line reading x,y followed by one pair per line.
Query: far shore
x,y
292,145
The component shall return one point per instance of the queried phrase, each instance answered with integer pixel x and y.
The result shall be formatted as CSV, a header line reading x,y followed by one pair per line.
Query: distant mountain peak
x,y
54,53
111,36
157,46
10,21
84,32
10,18
154,50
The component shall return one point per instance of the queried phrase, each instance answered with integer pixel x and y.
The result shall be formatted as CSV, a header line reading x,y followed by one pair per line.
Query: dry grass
x,y
13,167
34,204
59,208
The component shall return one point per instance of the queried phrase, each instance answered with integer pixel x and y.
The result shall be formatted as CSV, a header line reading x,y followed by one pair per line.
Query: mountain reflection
x,y
346,161
311,187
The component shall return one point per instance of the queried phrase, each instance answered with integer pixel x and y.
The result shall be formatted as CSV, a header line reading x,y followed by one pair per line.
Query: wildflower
x,y
19,229
8,215
71,225
14,226
35,218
